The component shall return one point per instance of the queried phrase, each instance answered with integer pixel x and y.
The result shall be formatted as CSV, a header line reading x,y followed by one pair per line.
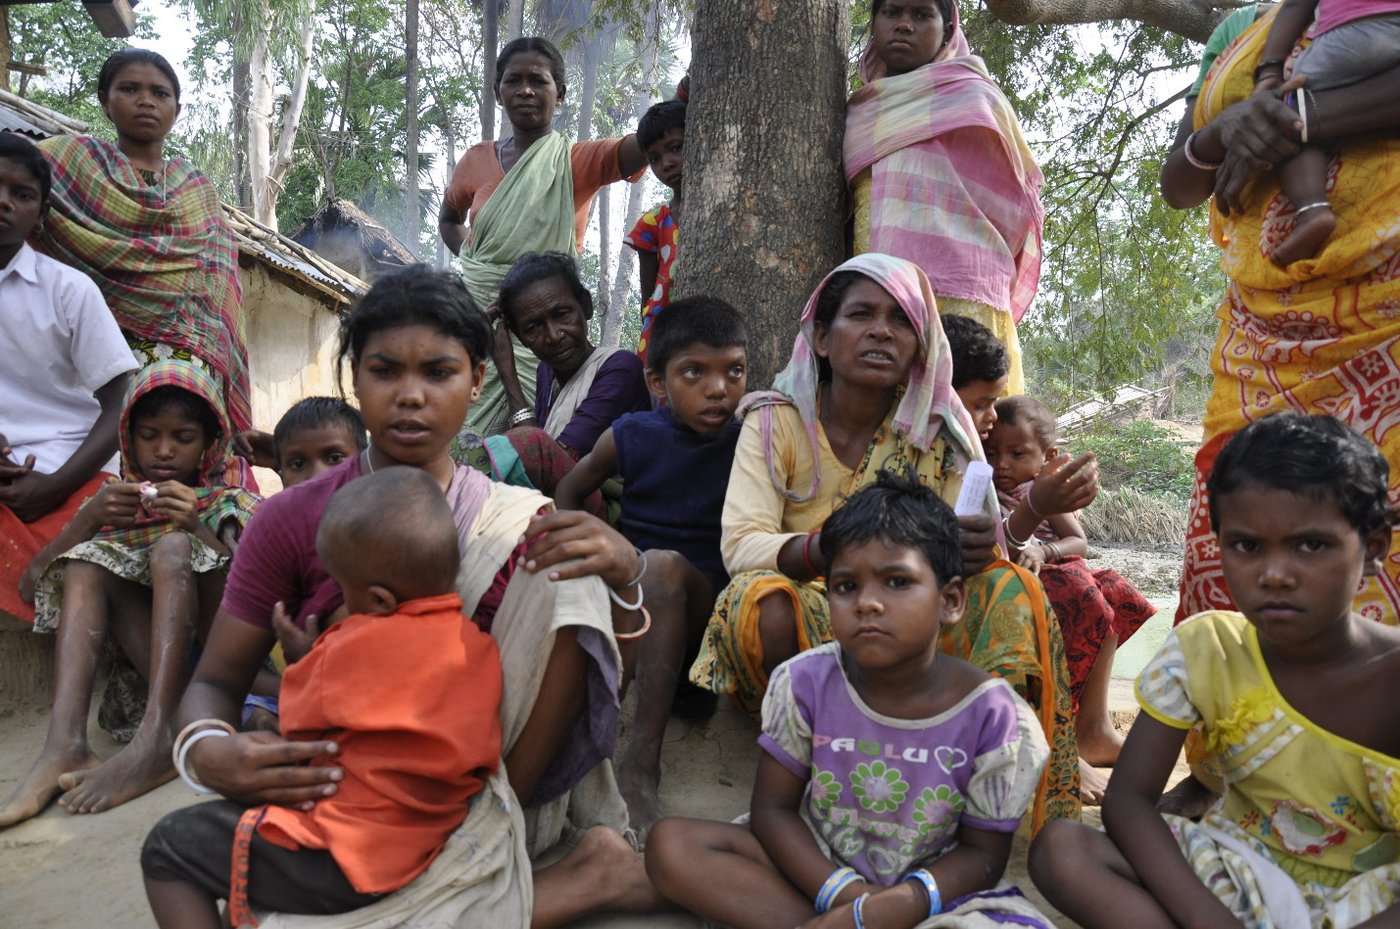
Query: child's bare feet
x,y
1310,231
1190,799
1099,742
1092,784
41,783
140,767
603,874
639,789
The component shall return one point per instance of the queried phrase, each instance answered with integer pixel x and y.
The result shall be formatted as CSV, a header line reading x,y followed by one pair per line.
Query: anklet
x,y
1300,210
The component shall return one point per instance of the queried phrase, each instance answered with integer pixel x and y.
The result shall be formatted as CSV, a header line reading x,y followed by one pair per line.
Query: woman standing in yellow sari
x,y
1323,334
869,388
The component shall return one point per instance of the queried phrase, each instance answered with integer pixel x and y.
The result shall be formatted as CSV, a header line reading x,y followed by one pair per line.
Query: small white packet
x,y
973,498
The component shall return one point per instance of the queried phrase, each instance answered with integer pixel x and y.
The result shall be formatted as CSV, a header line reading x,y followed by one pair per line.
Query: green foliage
x,y
1140,455
63,38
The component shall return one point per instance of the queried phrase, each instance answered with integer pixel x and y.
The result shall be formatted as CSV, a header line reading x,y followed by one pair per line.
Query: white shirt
x,y
59,343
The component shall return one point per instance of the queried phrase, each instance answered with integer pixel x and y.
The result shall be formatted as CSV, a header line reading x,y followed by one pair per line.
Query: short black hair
x,y
15,147
315,412
134,56
534,267
532,44
694,320
191,406
658,120
978,355
393,528
1314,456
1031,413
417,294
900,511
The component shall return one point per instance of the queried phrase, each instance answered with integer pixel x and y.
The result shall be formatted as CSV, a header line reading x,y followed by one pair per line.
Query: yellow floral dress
x,y
1306,833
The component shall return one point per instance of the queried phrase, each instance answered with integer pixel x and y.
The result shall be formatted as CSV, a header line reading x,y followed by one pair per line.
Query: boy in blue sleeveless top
x,y
674,463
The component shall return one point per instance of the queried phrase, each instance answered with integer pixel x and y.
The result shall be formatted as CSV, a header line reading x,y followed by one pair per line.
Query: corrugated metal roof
x,y
10,121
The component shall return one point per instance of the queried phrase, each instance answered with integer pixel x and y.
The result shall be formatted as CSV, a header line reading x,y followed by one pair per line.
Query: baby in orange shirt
x,y
407,688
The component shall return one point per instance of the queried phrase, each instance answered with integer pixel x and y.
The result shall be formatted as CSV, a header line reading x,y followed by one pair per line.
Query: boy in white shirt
x,y
66,369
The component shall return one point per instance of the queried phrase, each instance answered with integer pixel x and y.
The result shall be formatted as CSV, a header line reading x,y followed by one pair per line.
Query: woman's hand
x,y
502,351
296,643
1031,558
259,767
566,535
977,536
1258,134
256,447
1065,485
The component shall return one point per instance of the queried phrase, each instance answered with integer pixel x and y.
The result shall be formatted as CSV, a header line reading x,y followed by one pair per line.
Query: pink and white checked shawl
x,y
955,189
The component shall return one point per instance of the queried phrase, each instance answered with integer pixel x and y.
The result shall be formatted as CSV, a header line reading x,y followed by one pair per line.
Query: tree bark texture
x,y
490,29
412,205
1194,19
765,201
5,49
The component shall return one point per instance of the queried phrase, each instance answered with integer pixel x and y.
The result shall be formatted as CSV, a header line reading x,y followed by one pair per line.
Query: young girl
x,y
894,775
145,561
1097,609
1294,695
1351,41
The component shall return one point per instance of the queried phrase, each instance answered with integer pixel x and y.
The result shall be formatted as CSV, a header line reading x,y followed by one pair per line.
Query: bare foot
x,y
1099,742
41,784
1190,799
1310,231
1092,784
639,789
140,767
601,875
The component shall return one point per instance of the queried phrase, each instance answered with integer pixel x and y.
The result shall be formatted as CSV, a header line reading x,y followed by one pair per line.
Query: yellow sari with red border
x,y
1319,336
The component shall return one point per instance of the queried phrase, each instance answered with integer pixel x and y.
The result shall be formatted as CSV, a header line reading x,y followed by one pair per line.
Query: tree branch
x,y
1193,19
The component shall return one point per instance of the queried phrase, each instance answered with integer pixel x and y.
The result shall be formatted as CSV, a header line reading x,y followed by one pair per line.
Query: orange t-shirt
x,y
413,701
479,173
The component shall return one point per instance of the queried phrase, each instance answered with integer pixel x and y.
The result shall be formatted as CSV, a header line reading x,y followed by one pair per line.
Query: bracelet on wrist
x,y
1268,64
858,910
182,755
646,627
839,880
1015,542
925,879
616,598
1194,160
520,417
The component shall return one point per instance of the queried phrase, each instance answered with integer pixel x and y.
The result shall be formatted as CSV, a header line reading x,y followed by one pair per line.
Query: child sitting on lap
x,y
661,134
406,688
1294,696
894,775
1097,609
315,435
674,463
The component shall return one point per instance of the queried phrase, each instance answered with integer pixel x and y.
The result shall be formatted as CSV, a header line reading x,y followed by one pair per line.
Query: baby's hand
x,y
295,642
1065,485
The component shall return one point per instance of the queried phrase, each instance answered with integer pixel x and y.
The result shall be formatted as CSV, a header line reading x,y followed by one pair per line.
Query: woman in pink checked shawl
x,y
939,172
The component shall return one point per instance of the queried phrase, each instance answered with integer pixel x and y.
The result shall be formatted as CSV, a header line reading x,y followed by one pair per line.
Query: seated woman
x,y
150,233
580,389
417,347
869,387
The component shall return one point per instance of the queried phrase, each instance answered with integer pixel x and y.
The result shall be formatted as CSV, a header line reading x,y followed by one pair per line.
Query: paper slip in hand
x,y
973,498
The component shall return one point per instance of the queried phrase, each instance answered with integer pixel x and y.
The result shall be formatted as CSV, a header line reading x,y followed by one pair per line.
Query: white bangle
x,y
641,595
183,755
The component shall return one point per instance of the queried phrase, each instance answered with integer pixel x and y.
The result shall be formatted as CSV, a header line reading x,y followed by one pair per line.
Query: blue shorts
x,y
1351,52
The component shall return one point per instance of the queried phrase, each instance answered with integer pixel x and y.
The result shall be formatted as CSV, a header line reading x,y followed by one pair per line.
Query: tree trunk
x,y
765,203
5,48
260,114
243,187
490,29
412,208
601,307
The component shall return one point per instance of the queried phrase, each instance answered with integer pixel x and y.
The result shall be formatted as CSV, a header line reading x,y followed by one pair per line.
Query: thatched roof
x,y
294,265
343,232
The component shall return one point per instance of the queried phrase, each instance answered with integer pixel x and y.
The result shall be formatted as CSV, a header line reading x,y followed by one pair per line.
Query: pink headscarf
x,y
928,406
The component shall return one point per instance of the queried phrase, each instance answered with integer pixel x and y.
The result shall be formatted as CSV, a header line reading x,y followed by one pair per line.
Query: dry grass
x,y
1132,518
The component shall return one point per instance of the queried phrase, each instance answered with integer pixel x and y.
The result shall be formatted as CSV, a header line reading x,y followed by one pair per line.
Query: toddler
x,y
1097,609
893,775
674,463
406,688
315,435
981,369
1352,40
661,134
1293,694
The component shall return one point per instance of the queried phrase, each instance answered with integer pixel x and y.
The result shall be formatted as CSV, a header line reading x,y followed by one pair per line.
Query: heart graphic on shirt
x,y
949,758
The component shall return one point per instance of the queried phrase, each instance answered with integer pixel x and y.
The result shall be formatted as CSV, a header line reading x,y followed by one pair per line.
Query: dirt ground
x,y
82,872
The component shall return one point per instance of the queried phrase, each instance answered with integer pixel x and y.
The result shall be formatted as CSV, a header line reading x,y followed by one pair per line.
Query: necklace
x,y
369,462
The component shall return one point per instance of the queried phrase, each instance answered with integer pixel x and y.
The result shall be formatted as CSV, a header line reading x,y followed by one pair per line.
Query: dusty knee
x,y
666,851
1061,844
171,552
